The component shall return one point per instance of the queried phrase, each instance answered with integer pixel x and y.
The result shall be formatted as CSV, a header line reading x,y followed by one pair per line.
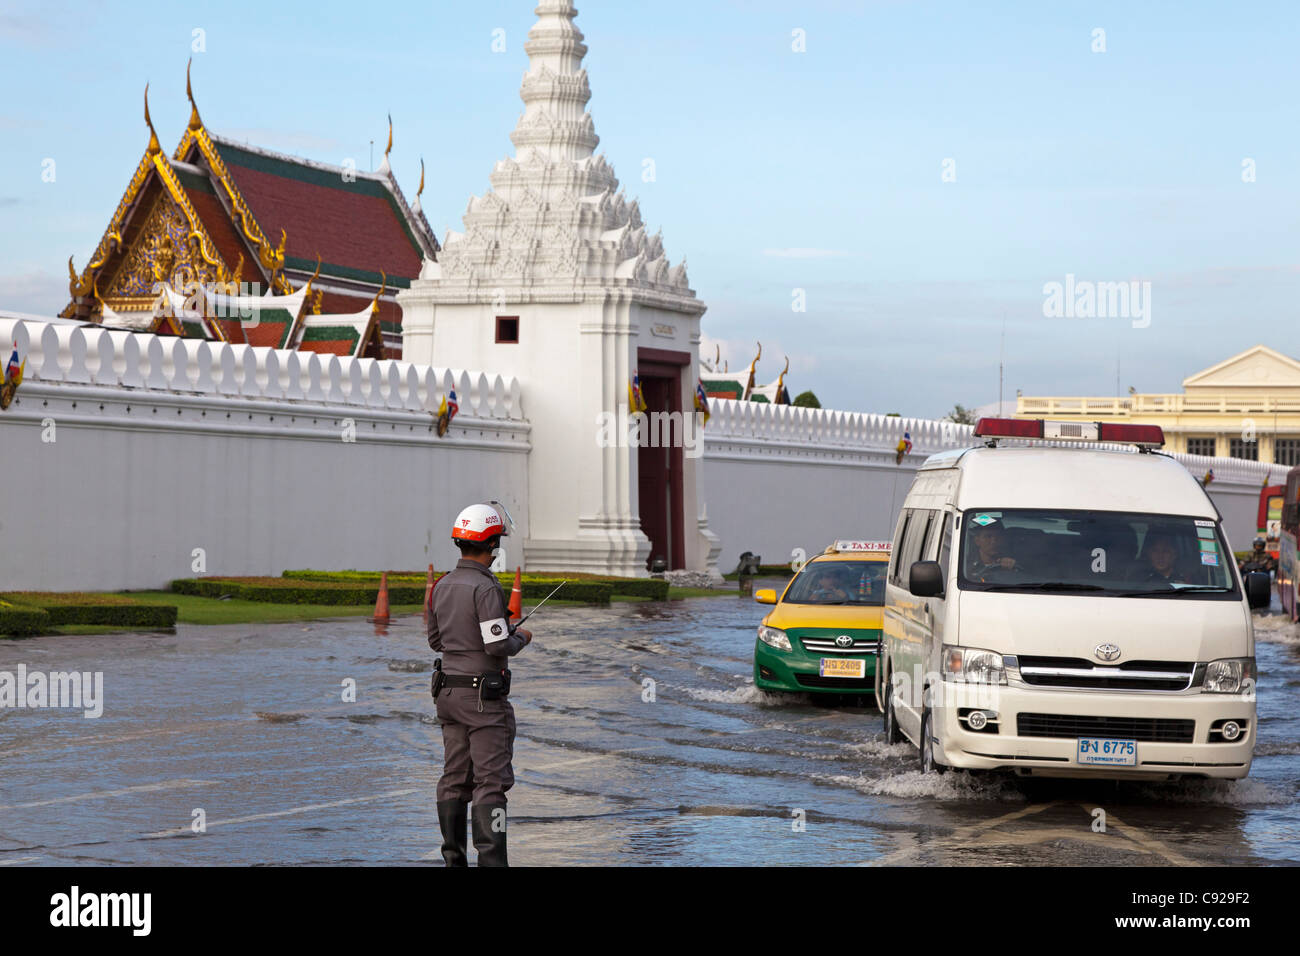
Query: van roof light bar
x,y
1144,436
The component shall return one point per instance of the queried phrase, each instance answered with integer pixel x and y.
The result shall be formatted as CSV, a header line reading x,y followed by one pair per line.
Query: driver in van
x,y
990,560
1162,555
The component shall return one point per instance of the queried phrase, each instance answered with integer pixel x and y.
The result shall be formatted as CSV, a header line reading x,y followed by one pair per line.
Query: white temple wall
x,y
204,451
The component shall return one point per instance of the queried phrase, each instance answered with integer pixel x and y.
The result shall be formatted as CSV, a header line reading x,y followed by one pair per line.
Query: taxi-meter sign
x,y
861,546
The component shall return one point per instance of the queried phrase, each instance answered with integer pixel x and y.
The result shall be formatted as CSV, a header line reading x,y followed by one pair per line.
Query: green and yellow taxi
x,y
823,635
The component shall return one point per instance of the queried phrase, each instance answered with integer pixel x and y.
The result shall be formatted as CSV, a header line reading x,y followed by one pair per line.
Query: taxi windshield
x,y
840,582
1116,553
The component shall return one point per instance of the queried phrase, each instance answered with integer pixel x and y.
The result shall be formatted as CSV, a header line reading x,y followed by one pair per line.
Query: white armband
x,y
495,630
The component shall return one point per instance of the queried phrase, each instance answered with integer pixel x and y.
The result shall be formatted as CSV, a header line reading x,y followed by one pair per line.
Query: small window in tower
x,y
507,330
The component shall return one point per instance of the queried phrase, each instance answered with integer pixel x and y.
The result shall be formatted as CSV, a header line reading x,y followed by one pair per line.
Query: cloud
x,y
37,292
801,253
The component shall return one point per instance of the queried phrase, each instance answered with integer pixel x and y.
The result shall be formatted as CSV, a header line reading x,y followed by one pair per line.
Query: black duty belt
x,y
463,680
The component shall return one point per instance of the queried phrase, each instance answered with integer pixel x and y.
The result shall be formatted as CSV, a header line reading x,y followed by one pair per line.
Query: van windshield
x,y
1118,553
839,582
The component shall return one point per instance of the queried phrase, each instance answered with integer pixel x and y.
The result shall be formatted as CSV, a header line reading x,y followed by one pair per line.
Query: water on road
x,y
245,728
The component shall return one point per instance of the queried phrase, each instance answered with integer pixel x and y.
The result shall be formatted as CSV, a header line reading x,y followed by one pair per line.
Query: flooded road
x,y
245,728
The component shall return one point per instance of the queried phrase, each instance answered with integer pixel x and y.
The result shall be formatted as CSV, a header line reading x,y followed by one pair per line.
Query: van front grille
x,y
1131,675
1151,729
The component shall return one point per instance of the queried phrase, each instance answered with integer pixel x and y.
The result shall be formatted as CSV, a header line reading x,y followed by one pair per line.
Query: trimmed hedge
x,y
103,610
290,591
533,586
402,577
18,620
361,592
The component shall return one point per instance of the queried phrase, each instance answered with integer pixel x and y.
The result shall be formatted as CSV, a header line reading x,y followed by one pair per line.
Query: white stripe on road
x,y
183,830
98,794
21,859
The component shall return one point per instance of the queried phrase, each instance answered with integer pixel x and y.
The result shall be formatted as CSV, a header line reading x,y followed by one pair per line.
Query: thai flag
x,y
13,369
638,400
702,401
452,406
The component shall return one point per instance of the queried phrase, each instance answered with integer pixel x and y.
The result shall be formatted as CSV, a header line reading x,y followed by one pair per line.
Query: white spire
x,y
555,124
555,215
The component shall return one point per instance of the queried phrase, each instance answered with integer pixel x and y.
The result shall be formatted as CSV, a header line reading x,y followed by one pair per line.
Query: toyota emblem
x,y
1107,652
844,640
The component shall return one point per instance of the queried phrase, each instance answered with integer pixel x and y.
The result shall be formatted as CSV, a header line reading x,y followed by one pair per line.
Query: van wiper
x,y
1044,586
1164,592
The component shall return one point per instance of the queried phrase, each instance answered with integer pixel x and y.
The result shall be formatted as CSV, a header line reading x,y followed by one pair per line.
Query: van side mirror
x,y
1259,589
925,579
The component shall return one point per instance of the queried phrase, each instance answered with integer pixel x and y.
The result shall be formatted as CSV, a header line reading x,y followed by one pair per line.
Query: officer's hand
x,y
527,634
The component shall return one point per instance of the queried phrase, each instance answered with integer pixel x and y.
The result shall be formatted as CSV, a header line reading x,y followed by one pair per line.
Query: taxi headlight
x,y
973,665
774,637
1231,675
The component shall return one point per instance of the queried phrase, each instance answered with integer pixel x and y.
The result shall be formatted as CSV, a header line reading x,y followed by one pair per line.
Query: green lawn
x,y
201,610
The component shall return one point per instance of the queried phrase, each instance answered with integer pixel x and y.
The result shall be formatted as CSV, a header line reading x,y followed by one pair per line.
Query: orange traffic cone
x,y
381,605
517,598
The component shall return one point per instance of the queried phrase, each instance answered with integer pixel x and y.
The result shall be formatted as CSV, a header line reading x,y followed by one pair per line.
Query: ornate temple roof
x,y
219,212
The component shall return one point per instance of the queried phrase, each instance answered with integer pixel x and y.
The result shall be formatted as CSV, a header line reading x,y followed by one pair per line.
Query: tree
x,y
806,400
961,415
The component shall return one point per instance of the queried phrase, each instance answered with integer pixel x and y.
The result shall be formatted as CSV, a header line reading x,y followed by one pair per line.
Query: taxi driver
x,y
830,587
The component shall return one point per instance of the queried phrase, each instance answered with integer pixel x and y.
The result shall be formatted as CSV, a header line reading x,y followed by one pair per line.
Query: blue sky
x,y
775,170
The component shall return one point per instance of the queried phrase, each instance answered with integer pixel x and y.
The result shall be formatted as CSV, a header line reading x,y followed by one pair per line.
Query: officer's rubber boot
x,y
452,818
489,824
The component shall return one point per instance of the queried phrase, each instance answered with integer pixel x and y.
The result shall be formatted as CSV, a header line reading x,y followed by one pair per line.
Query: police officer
x,y
470,627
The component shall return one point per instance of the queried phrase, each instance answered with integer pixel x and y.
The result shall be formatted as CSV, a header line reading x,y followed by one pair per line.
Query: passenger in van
x,y
990,562
1161,554
831,587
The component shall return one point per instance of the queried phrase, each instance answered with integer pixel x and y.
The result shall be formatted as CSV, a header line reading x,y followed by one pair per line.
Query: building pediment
x,y
1258,367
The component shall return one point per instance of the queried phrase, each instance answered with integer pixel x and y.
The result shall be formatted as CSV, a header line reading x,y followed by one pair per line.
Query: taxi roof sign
x,y
845,545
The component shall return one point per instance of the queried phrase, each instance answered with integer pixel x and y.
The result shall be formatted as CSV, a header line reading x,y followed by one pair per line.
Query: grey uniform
x,y
470,626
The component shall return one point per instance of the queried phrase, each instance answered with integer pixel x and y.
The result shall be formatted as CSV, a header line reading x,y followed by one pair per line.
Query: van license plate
x,y
1107,752
839,667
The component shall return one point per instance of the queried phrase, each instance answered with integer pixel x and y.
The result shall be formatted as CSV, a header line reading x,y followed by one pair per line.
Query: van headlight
x,y
1231,675
973,665
774,637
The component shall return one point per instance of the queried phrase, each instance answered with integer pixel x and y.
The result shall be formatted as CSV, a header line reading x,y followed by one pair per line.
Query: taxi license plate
x,y
840,667
1106,752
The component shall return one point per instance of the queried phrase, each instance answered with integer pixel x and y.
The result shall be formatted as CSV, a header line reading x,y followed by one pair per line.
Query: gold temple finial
x,y
154,148
421,189
784,370
389,148
195,122
314,274
374,306
758,356
77,286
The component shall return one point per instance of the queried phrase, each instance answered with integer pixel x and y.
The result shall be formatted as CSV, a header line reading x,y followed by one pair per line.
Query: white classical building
x,y
557,282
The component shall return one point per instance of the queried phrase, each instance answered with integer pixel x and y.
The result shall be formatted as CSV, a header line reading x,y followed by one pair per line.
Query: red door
x,y
659,457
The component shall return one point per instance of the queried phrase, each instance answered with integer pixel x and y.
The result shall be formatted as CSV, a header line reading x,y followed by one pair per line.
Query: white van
x,y
1062,607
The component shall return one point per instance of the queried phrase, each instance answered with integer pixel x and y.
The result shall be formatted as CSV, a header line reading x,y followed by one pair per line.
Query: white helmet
x,y
479,523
